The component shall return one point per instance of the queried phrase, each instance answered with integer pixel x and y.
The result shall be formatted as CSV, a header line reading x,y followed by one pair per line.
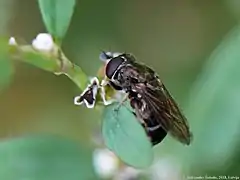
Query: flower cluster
x,y
43,42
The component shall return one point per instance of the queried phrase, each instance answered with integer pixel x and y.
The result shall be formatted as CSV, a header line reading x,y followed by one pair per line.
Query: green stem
x,y
77,76
55,62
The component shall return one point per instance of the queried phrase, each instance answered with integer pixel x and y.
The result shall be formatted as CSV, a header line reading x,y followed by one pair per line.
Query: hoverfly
x,y
151,102
153,105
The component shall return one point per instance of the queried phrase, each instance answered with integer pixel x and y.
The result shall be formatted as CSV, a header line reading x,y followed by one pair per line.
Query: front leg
x,y
103,86
124,99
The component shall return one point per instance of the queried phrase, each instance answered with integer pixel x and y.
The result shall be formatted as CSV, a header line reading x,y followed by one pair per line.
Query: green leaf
x,y
44,157
6,68
213,111
124,135
57,15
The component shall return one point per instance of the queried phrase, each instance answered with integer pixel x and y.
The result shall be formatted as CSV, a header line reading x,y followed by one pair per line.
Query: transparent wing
x,y
165,110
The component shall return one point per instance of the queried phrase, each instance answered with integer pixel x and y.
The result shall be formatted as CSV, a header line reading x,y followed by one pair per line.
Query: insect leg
x,y
103,85
121,102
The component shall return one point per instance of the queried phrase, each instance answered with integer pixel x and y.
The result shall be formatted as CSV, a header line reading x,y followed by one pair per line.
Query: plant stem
x,y
55,62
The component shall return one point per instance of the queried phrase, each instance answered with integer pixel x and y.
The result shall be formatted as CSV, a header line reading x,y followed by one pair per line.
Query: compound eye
x,y
112,66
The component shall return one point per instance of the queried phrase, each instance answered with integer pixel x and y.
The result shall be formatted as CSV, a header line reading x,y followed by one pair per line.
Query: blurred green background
x,y
193,45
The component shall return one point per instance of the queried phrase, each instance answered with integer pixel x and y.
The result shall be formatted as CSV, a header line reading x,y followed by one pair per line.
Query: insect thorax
x,y
126,77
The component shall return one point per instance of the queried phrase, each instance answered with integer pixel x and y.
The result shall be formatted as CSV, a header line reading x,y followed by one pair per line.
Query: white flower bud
x,y
12,41
43,42
105,163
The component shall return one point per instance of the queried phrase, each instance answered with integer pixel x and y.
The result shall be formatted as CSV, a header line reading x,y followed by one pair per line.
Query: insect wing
x,y
165,110
159,103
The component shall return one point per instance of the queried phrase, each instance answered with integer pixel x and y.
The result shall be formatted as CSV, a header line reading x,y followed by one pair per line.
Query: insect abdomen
x,y
156,135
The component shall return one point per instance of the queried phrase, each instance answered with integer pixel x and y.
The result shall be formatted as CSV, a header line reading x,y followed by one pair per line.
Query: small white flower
x,y
77,101
90,92
166,168
105,163
12,41
127,173
43,42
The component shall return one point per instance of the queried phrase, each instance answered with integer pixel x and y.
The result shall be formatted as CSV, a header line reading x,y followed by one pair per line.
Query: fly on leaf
x,y
151,102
